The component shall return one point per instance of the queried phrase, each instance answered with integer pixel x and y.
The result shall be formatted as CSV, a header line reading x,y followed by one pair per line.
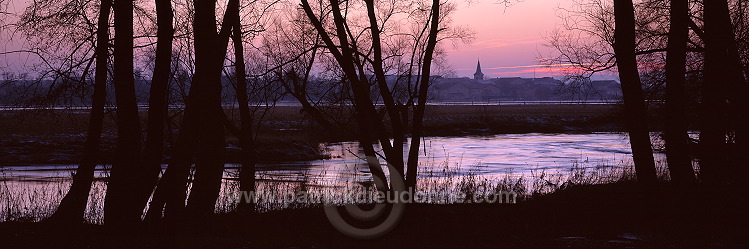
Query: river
x,y
444,162
495,155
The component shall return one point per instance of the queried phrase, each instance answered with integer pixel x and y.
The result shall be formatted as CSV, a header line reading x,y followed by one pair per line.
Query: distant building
x,y
546,81
463,89
607,89
511,88
478,75
586,89
516,88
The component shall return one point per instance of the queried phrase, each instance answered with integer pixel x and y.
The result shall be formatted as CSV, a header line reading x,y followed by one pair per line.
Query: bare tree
x,y
676,137
418,126
120,205
723,99
157,105
362,44
67,43
291,50
634,101
246,138
587,43
201,135
345,55
60,37
73,206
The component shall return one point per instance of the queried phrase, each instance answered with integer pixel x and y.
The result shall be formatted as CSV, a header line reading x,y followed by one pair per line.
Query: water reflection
x,y
486,155
446,163
496,155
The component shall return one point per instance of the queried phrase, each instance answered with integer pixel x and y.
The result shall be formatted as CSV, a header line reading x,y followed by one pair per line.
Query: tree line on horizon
x,y
695,50
92,49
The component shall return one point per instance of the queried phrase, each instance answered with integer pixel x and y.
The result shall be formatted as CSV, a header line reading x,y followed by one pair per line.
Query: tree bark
x,y
120,207
247,141
418,126
157,104
367,119
297,87
201,137
723,99
73,206
168,200
677,139
369,122
634,102
210,51
396,157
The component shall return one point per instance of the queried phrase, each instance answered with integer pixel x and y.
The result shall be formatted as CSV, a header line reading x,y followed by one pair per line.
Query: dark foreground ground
x,y
601,216
286,134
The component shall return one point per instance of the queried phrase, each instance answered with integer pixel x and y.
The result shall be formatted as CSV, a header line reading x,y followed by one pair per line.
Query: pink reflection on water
x,y
452,164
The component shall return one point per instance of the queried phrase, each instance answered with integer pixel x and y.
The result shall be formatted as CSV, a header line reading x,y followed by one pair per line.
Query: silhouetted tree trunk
x,y
296,79
418,126
297,87
169,197
368,121
353,64
738,90
157,104
393,108
634,102
739,74
73,206
201,137
677,139
314,113
210,51
247,172
724,103
120,205
738,87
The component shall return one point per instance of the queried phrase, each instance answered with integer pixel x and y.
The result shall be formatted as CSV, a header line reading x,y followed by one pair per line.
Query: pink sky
x,y
508,39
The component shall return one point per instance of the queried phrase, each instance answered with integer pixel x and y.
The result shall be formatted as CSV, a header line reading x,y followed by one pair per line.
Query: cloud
x,y
539,72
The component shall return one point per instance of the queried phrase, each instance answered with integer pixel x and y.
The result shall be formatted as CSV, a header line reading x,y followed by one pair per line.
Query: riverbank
x,y
488,120
617,215
286,134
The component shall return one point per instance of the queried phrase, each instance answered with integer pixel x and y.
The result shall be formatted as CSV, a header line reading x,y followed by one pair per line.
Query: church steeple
x,y
478,75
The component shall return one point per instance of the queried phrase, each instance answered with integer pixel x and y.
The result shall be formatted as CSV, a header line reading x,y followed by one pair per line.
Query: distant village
x,y
476,89
480,88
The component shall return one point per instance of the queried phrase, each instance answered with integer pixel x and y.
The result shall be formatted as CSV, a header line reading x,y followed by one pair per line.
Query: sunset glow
x,y
509,40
